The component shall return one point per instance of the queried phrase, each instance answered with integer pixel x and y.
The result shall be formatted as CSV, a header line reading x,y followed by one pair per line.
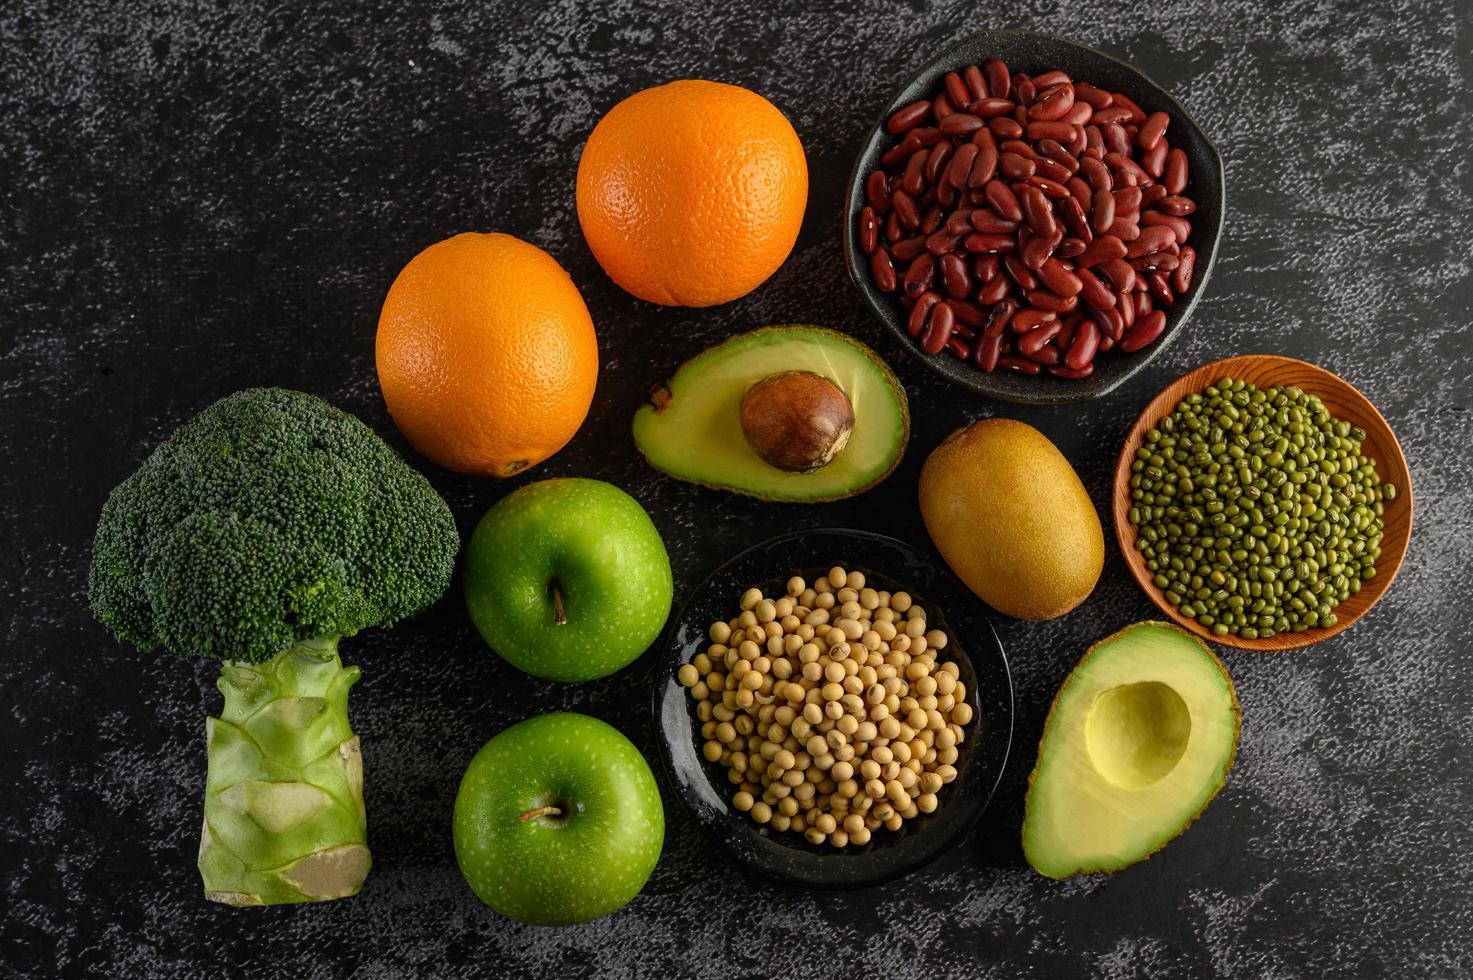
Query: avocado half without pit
x,y
1139,740
795,413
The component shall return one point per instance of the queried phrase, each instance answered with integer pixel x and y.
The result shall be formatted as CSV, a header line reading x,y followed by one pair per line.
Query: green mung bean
x,y
1256,510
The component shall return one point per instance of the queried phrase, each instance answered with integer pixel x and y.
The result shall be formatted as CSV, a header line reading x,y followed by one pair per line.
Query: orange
x,y
692,193
486,354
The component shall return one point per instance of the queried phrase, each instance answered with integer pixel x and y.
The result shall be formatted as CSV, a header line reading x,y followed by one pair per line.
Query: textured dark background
x,y
196,197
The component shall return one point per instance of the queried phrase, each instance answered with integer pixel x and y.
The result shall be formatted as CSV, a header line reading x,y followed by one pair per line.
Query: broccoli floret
x,y
270,519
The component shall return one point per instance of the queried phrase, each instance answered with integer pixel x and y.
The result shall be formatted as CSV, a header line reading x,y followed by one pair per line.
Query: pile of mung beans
x,y
830,709
1256,511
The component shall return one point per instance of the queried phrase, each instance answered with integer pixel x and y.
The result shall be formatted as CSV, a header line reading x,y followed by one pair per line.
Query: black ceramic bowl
x,y
1033,52
887,564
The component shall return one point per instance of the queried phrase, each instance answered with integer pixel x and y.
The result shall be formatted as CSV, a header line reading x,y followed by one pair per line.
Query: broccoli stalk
x,y
257,535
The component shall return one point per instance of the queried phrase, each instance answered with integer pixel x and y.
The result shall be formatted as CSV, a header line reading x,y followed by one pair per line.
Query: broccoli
x,y
257,535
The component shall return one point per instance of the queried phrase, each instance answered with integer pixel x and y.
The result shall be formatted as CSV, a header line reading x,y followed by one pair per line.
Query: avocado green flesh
x,y
698,435
1138,742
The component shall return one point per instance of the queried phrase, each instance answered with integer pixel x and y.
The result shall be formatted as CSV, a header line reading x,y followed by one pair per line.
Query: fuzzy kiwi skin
x,y
1048,727
1012,519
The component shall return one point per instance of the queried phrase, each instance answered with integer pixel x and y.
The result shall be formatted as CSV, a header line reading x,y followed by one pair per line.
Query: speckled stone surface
x,y
202,196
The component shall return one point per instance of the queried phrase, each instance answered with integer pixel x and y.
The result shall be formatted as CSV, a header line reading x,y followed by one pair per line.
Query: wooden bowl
x,y
1344,402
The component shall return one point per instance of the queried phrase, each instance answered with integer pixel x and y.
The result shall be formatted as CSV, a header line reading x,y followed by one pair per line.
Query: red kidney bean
x,y
908,117
1152,238
1037,211
967,312
984,137
913,181
960,165
1046,355
941,107
1152,196
986,266
1070,247
991,108
1137,115
938,328
908,248
1181,278
1114,138
1071,325
1058,278
921,311
1177,206
1111,323
1051,188
933,218
1106,343
1153,161
905,209
1152,130
956,89
1155,262
999,79
1003,201
1125,306
1056,151
1034,339
942,241
1096,98
1082,351
954,276
1102,211
1004,127
1094,143
958,348
1123,164
1038,248
959,222
1096,174
1051,78
1052,103
877,192
869,230
900,152
986,352
990,222
1051,169
1024,90
1180,227
1128,203
1160,289
1015,167
1174,176
1120,273
1094,293
1109,115
1046,130
999,318
984,166
1077,144
1147,329
1046,299
894,230
1125,229
1022,365
979,242
1073,374
1078,114
976,84
1143,303
920,275
1081,191
1027,318
961,124
1073,214
1019,147
882,270
994,290
946,195
1103,249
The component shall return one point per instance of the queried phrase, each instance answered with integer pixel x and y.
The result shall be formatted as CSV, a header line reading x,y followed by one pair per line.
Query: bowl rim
x,y
1322,379
1054,392
884,866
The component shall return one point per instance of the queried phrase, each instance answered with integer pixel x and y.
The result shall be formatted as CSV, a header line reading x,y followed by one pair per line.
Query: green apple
x,y
568,579
558,820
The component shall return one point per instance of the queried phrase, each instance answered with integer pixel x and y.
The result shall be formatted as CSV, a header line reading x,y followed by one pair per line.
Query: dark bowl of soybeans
x,y
1033,53
974,647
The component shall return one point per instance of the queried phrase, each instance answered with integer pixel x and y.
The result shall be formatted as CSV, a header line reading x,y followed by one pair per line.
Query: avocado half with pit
x,y
1139,740
794,413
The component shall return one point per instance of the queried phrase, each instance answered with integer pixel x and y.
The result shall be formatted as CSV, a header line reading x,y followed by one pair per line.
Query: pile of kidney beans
x,y
1029,222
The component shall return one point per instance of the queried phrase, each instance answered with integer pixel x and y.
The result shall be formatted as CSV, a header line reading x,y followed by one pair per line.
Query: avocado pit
x,y
796,421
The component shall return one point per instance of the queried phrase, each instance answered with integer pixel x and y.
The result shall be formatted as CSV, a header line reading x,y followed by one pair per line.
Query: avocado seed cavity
x,y
797,421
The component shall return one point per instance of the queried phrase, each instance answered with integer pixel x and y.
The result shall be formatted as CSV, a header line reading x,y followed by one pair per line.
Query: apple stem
x,y
559,614
541,811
